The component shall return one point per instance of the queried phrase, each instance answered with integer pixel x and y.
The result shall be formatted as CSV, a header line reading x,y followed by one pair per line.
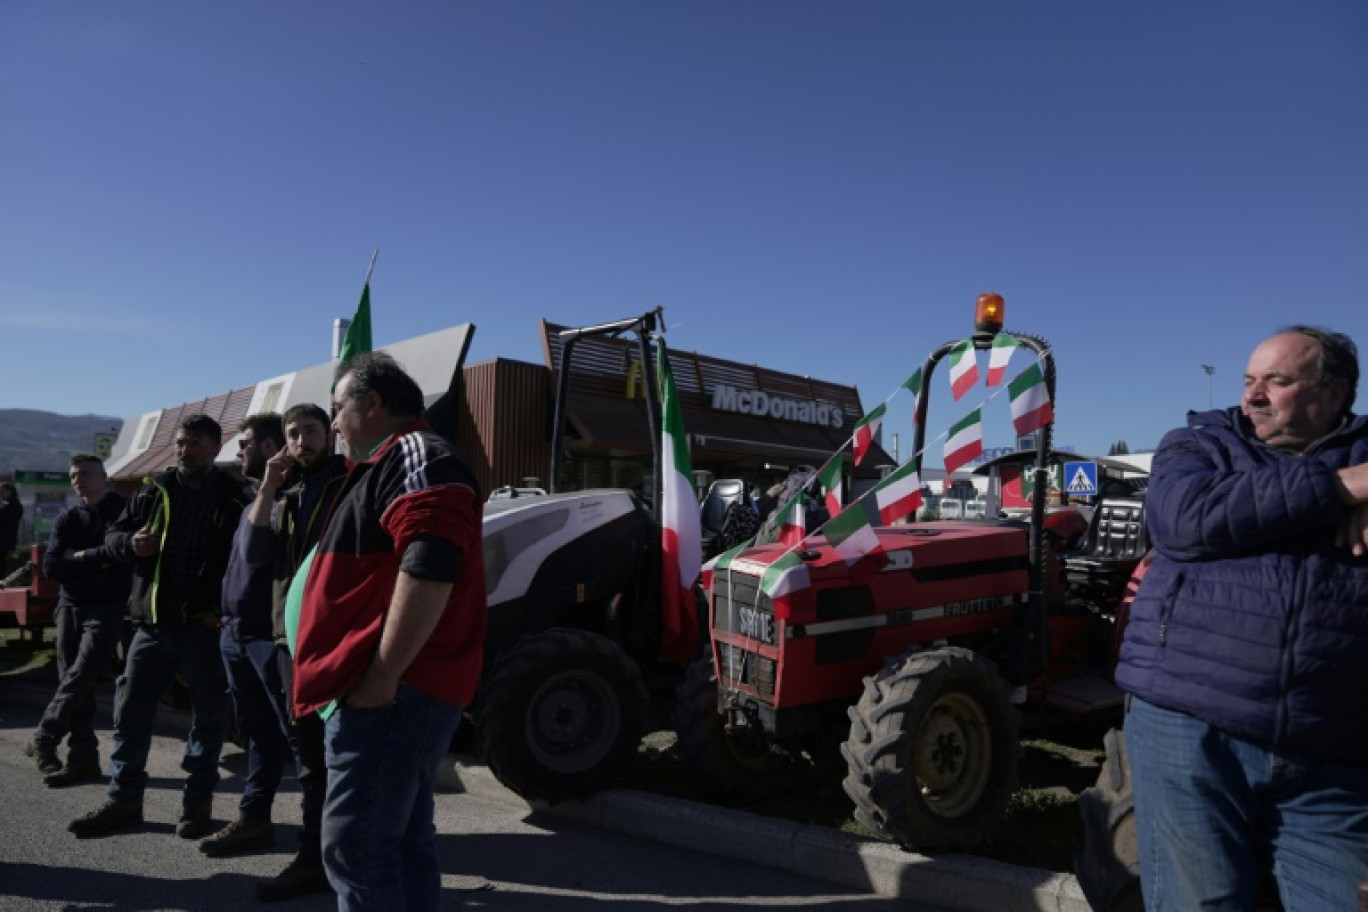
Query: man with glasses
x,y
390,637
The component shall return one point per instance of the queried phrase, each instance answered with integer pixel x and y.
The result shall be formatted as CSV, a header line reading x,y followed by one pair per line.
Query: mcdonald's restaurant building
x,y
743,420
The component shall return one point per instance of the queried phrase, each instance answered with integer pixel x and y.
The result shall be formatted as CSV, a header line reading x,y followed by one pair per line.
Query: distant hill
x,y
45,441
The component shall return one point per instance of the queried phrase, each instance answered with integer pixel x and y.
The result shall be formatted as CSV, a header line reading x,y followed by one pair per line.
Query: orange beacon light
x,y
989,312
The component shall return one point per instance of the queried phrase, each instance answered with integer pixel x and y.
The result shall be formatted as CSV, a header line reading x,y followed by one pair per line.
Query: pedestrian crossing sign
x,y
1082,478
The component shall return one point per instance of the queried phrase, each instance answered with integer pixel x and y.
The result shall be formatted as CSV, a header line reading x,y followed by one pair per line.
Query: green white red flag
x,y
1001,353
792,522
723,560
913,385
681,535
866,430
832,480
851,533
965,441
788,574
1031,408
964,372
899,494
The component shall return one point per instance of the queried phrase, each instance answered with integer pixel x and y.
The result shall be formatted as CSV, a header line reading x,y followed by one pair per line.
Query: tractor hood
x,y
563,540
927,547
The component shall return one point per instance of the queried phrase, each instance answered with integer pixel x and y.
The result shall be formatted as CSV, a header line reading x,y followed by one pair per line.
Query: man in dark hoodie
x,y
1246,655
249,658
90,607
177,532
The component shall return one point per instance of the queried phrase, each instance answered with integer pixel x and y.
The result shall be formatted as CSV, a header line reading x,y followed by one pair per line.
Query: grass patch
x,y
19,653
1041,829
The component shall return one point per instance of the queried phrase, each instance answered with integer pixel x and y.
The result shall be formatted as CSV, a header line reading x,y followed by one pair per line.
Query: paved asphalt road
x,y
496,855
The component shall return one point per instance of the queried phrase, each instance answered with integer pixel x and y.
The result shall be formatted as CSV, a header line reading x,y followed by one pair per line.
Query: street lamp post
x,y
1210,369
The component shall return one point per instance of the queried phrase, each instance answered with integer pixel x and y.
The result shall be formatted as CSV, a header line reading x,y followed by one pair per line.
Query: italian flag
x,y
1031,408
1003,346
792,522
788,574
681,535
963,368
913,385
852,532
865,431
899,494
833,486
724,560
965,441
721,564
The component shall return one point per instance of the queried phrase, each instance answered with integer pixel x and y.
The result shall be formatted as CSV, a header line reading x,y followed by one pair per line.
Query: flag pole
x,y
371,268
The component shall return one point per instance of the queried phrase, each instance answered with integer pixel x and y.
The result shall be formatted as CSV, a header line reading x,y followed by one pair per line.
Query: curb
x,y
953,882
958,882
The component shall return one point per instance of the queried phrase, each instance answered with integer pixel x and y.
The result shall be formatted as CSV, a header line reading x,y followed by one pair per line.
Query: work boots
x,y
108,817
197,818
301,876
241,835
44,755
74,774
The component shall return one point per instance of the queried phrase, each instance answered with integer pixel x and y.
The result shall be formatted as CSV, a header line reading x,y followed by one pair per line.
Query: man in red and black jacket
x,y
390,637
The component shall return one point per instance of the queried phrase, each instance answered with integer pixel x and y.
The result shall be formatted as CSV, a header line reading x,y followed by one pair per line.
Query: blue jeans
x,y
379,838
259,702
154,657
311,767
86,640
1213,813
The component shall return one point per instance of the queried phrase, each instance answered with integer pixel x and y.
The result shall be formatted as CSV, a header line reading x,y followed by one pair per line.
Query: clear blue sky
x,y
190,192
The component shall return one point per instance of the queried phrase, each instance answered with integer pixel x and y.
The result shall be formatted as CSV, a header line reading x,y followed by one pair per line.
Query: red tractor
x,y
914,661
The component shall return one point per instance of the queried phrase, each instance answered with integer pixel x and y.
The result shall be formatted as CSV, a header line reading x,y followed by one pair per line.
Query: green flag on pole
x,y
358,338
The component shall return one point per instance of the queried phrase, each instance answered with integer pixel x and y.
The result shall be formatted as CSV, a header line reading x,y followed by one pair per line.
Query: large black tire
x,y
561,714
932,754
737,767
1108,868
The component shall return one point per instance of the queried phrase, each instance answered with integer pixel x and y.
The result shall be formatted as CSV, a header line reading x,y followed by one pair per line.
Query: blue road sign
x,y
1081,478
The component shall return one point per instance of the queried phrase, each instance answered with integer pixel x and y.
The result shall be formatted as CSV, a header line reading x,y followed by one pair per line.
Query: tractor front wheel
x,y
932,754
561,714
737,765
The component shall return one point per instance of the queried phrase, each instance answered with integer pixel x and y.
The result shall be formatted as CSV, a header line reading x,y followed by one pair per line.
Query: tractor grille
x,y
738,590
739,667
740,607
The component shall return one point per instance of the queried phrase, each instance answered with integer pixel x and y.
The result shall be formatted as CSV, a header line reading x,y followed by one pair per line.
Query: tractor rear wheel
x,y
561,714
1108,868
734,765
932,754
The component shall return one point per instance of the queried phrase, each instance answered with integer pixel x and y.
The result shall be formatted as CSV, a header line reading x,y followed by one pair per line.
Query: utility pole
x,y
1210,369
